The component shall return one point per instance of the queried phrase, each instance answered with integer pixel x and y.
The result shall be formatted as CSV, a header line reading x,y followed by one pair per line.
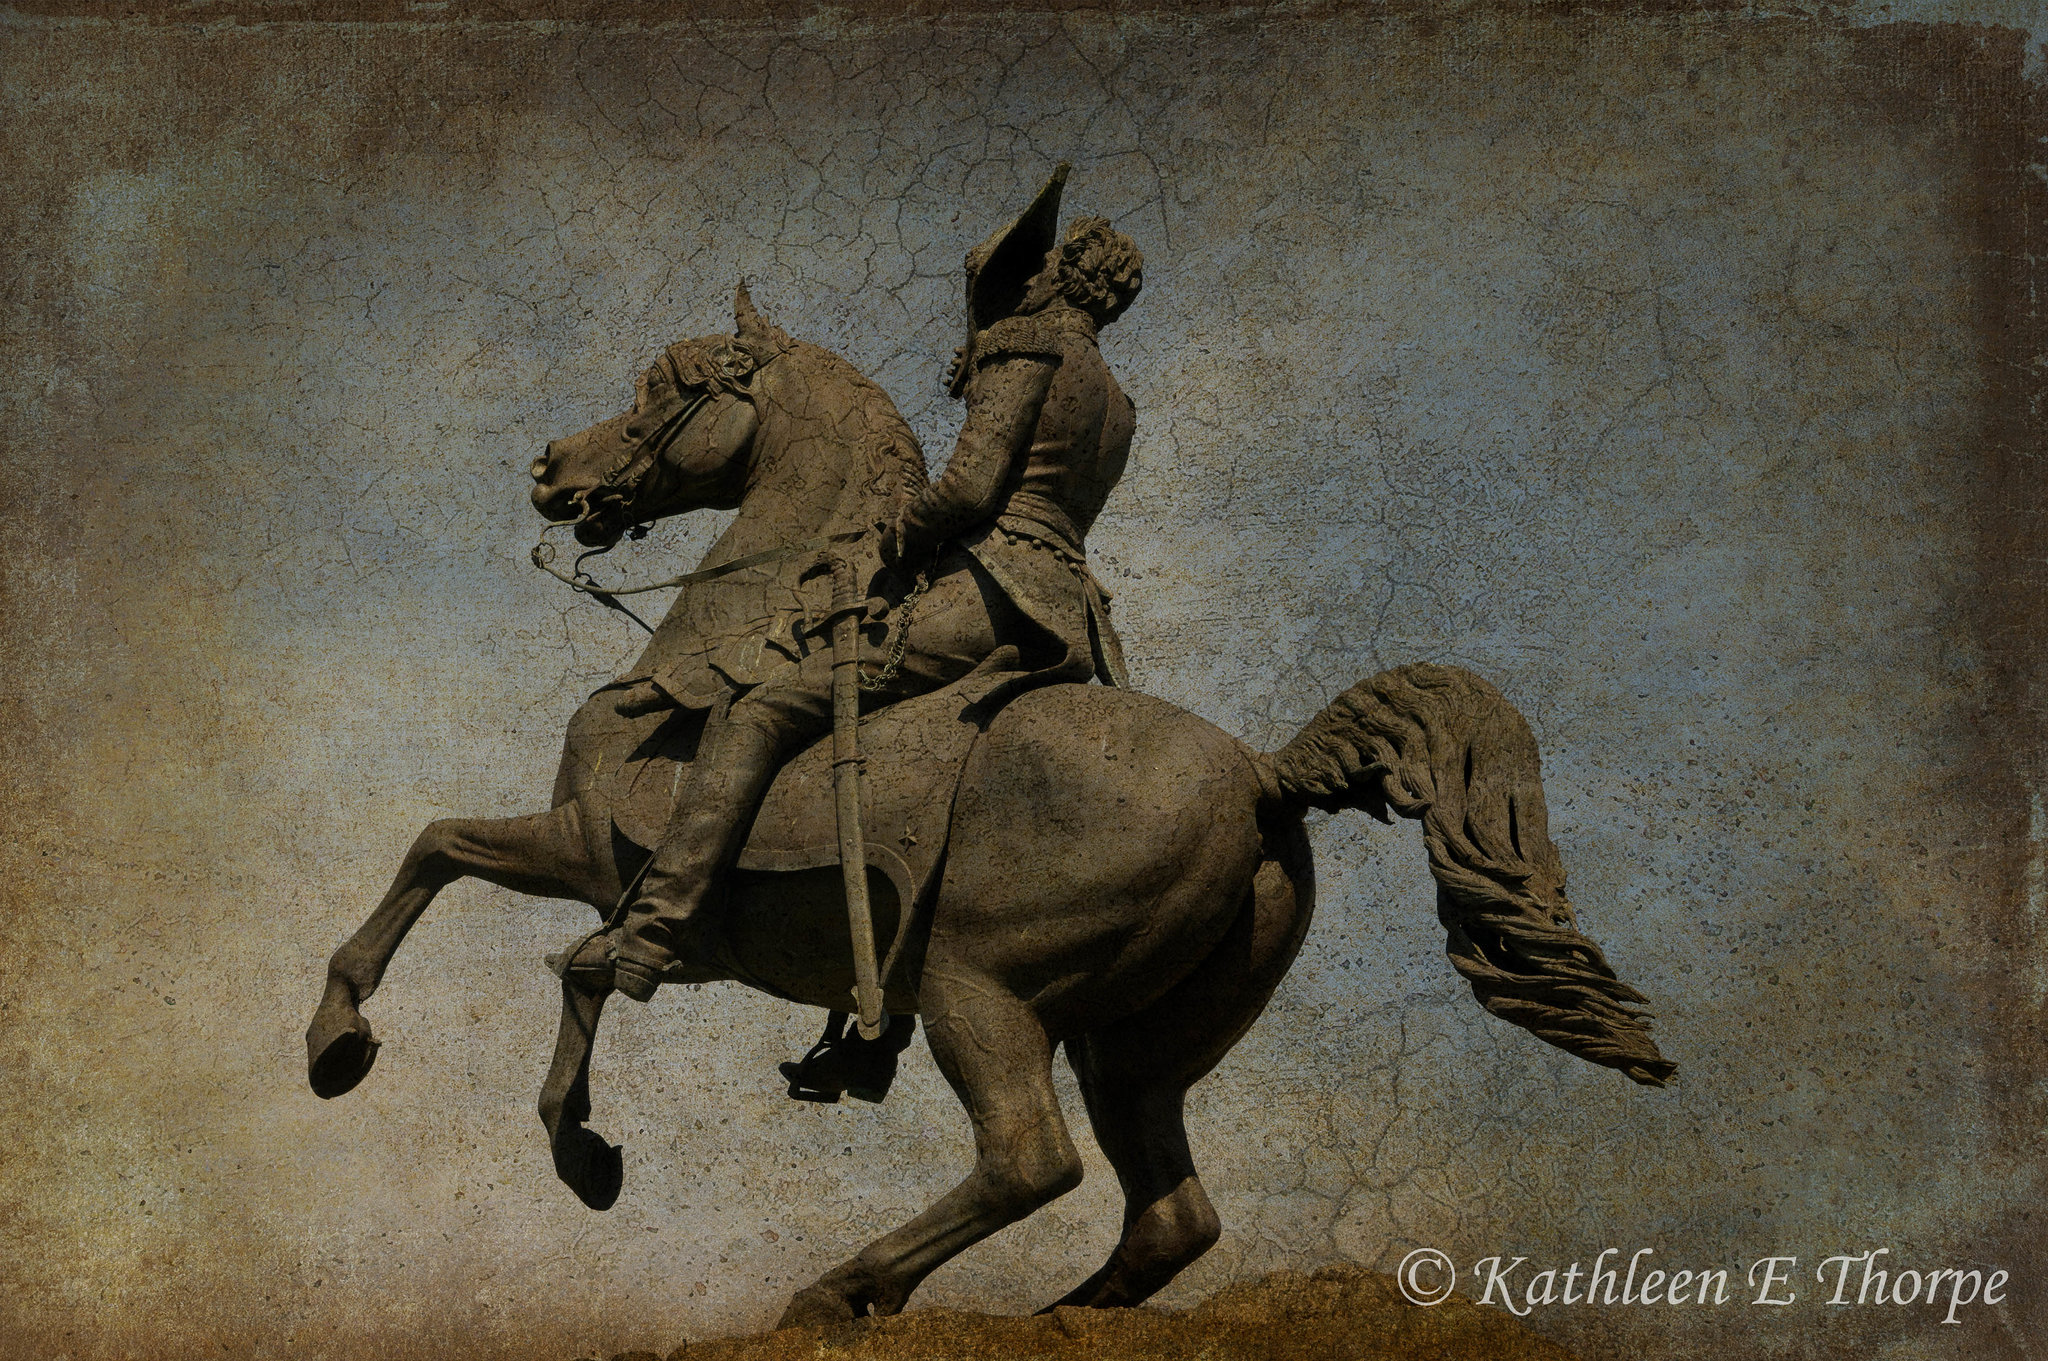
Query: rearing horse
x,y
1119,876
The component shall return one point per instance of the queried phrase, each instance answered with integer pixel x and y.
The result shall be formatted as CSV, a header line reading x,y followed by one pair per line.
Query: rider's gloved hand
x,y
901,541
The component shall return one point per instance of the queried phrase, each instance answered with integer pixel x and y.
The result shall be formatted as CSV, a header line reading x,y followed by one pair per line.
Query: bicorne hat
x,y
999,268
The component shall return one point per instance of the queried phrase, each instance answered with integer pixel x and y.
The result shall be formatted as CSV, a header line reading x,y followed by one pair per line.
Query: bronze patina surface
x,y
1674,368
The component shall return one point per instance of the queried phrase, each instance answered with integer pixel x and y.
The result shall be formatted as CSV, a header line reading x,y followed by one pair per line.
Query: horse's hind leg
x,y
1135,1076
547,855
1136,1111
993,1050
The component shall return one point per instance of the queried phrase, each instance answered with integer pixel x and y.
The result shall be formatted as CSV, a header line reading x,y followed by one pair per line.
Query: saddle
x,y
914,752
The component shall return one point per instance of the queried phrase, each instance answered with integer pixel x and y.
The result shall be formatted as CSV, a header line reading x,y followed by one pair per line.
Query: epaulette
x,y
1036,334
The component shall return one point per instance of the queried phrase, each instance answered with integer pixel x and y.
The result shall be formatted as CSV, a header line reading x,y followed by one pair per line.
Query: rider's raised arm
x,y
1003,405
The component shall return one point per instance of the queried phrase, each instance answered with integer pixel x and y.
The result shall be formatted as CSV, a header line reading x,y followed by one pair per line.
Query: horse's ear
x,y
743,314
761,338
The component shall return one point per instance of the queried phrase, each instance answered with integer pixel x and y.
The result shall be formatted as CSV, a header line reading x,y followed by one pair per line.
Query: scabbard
x,y
847,604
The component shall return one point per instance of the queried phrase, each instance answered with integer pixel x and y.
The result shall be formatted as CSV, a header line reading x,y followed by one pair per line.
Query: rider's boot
x,y
722,791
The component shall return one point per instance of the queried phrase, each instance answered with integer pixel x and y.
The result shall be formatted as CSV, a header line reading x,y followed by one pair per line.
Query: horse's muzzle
x,y
554,502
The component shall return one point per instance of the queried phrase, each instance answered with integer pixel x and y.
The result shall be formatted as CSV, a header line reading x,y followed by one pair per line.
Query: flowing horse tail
x,y
1439,744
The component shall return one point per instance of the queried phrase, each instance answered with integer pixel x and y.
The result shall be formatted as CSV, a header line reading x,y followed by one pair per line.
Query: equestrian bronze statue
x,y
881,750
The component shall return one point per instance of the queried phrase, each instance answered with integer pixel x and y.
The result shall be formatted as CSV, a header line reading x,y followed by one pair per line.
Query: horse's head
x,y
684,445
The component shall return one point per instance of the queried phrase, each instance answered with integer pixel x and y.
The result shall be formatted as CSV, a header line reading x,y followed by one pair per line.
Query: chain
x,y
904,612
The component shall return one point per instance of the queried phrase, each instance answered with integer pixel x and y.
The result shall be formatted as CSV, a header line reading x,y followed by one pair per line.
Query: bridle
x,y
621,486
621,483
627,475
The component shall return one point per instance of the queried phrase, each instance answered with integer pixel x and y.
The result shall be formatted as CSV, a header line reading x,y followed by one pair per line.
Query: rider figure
x,y
1011,602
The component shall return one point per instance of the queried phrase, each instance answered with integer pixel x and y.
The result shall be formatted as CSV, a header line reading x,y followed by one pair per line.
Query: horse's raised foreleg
x,y
585,1162
546,854
994,1051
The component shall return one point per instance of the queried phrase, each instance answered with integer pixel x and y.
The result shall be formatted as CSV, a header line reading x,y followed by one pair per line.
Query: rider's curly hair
x,y
1098,269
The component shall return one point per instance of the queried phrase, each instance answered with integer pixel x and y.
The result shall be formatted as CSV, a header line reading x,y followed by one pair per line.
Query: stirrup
x,y
594,962
842,1062
591,966
631,978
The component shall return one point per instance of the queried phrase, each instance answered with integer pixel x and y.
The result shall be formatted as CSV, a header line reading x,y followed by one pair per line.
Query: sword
x,y
847,607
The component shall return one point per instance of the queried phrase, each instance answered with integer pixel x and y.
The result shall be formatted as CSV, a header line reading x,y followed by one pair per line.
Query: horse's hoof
x,y
338,1056
592,1168
817,1306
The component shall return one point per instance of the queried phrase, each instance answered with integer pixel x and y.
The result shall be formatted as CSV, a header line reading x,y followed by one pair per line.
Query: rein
x,y
578,580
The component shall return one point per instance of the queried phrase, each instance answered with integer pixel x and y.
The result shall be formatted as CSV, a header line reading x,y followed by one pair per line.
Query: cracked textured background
x,y
1673,369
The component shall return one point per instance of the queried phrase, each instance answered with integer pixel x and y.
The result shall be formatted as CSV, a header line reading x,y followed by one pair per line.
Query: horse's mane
x,y
895,458
890,445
